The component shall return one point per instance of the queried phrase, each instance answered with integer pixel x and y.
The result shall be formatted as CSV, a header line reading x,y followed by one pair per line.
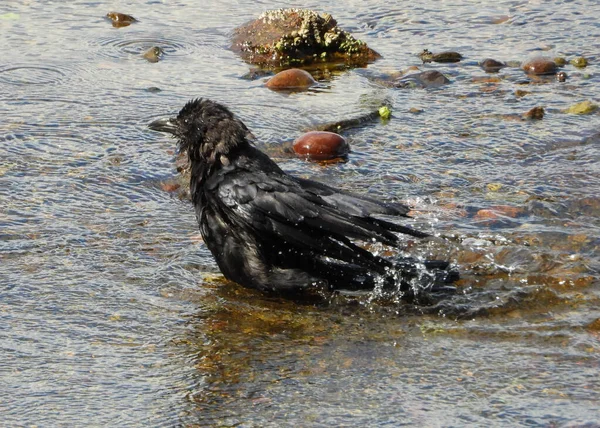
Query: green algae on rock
x,y
579,62
297,37
584,107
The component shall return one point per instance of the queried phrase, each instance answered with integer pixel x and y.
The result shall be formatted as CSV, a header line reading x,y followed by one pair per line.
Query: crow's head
x,y
205,130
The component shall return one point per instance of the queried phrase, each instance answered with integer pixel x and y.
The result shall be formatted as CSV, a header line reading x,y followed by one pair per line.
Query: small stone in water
x,y
120,19
539,66
584,107
321,145
494,187
294,78
491,65
536,113
580,62
153,54
561,76
560,61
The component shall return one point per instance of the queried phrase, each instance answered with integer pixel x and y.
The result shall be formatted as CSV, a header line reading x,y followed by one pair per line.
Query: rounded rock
x,y
491,65
294,78
539,66
321,145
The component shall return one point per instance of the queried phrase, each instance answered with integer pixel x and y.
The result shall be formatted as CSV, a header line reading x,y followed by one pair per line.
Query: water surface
x,y
113,312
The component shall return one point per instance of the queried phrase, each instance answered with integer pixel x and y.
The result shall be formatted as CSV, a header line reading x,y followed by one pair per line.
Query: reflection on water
x,y
112,311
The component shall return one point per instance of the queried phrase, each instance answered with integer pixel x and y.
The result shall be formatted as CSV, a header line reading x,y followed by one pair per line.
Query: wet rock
x,y
561,76
539,66
580,62
294,78
321,145
491,65
536,113
560,61
154,54
584,107
120,19
449,56
520,93
425,79
287,37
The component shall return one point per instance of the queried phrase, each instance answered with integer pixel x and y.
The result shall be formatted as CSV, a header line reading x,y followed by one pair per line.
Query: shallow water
x,y
112,311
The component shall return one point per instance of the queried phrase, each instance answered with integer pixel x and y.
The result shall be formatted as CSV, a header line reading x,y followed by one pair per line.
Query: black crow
x,y
272,231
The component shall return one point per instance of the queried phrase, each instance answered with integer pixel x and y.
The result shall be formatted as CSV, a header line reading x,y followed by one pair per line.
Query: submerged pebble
x,y
498,211
321,145
425,79
491,65
294,78
449,56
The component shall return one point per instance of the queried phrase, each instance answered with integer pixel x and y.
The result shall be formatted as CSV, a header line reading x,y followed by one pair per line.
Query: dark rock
x,y
427,56
491,65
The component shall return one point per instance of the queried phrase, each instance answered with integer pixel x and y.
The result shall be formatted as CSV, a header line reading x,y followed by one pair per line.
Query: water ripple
x,y
136,44
22,75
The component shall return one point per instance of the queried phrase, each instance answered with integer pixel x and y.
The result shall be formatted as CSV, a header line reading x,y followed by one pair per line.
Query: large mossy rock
x,y
298,37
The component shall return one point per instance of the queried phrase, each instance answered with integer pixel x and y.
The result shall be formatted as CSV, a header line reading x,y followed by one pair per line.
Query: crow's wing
x,y
305,213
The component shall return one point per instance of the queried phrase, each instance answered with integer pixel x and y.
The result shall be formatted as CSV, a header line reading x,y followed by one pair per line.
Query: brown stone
x,y
294,78
321,145
120,19
539,66
536,113
498,211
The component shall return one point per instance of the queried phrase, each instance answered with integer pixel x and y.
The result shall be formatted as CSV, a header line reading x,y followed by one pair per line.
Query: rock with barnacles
x,y
286,38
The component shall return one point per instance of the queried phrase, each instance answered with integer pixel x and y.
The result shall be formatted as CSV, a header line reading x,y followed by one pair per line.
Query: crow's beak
x,y
164,125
